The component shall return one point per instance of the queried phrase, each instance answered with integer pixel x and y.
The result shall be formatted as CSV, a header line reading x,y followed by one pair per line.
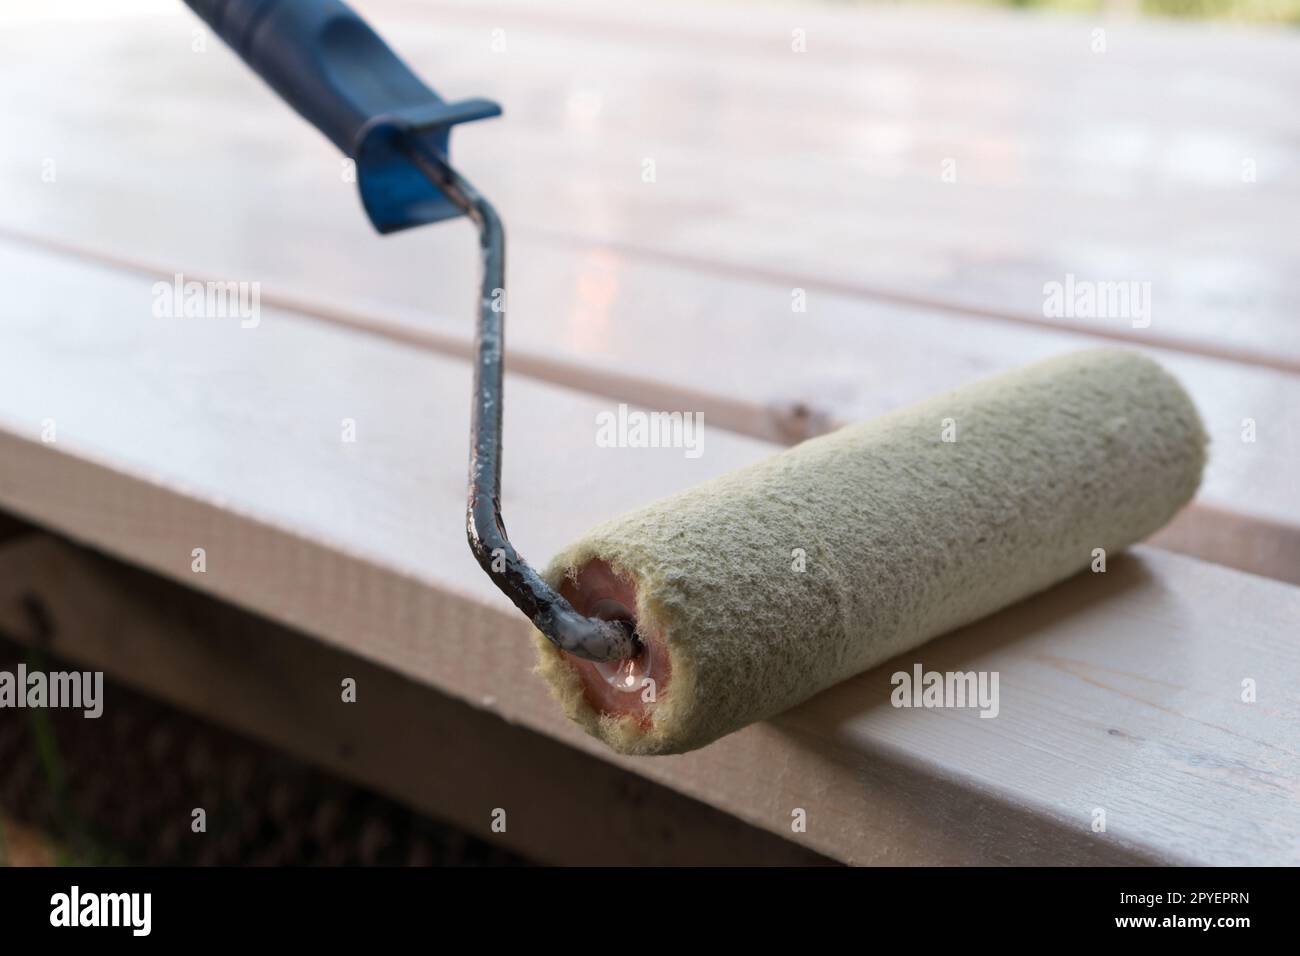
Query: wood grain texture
x,y
450,760
1119,691
601,309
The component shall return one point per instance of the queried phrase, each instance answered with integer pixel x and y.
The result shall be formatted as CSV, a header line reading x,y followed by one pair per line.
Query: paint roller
x,y
662,630
752,592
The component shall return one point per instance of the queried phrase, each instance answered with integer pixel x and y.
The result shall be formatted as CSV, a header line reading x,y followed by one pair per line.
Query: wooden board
x,y
238,193
822,170
1121,691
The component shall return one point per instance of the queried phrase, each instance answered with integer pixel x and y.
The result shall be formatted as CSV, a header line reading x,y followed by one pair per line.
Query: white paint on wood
x,y
1119,690
824,167
650,320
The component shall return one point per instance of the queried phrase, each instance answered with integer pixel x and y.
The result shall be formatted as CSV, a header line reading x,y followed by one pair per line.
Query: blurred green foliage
x,y
1244,11
1260,11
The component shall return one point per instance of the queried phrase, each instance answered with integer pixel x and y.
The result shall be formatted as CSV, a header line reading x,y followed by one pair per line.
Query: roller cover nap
x,y
905,534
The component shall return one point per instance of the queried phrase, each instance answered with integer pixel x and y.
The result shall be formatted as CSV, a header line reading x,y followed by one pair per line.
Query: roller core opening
x,y
631,686
628,674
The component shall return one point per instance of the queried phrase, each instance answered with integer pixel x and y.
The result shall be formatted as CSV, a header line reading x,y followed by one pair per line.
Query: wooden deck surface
x,y
774,171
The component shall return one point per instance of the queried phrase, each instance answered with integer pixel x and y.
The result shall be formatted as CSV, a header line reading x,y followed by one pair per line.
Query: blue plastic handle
x,y
328,64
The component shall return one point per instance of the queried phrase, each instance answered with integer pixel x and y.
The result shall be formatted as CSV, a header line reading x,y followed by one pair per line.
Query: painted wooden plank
x,y
451,760
822,170
829,166
633,331
236,195
1121,692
